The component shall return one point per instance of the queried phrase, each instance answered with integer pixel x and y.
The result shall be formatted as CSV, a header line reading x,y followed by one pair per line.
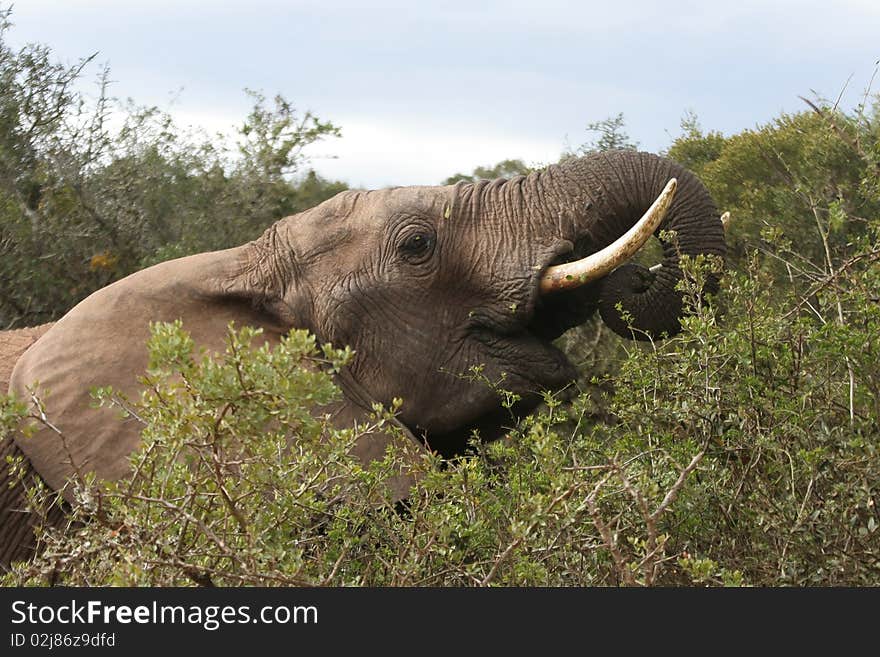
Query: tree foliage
x,y
805,182
83,203
610,135
503,169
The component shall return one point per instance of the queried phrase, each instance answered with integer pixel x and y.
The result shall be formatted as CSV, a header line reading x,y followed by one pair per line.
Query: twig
x,y
649,562
564,495
44,420
620,562
831,278
676,487
326,581
845,137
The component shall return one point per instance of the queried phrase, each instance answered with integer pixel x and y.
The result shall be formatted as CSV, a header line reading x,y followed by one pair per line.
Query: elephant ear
x,y
102,342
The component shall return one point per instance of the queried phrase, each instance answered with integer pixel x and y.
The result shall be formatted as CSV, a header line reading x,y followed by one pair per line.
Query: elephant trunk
x,y
598,198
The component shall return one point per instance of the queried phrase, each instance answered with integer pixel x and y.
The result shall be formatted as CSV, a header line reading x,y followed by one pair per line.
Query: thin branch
x,y
620,562
564,495
676,487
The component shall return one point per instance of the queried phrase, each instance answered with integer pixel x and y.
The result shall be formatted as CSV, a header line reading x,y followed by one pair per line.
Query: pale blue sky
x,y
422,91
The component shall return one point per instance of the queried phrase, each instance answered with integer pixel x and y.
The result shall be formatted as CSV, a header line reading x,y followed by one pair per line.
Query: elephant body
x,y
423,283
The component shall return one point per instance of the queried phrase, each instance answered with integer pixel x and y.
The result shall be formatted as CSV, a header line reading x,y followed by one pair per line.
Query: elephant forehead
x,y
425,201
359,214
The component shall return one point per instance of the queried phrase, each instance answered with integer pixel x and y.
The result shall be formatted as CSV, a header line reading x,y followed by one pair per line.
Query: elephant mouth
x,y
519,335
517,355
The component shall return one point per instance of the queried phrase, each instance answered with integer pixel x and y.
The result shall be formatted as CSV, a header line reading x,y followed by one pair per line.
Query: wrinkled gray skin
x,y
422,282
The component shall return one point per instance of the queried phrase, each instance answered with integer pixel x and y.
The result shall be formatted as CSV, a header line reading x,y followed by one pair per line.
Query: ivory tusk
x,y
574,274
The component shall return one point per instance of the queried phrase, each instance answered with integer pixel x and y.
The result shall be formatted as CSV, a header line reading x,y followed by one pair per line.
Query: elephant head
x,y
425,283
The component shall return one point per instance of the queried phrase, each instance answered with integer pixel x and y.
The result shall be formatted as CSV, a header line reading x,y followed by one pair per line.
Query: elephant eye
x,y
417,247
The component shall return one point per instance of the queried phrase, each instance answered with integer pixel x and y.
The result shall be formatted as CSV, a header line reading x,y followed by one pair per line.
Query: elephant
x,y
423,283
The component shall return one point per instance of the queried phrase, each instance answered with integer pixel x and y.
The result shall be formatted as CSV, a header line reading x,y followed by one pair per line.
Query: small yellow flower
x,y
104,261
